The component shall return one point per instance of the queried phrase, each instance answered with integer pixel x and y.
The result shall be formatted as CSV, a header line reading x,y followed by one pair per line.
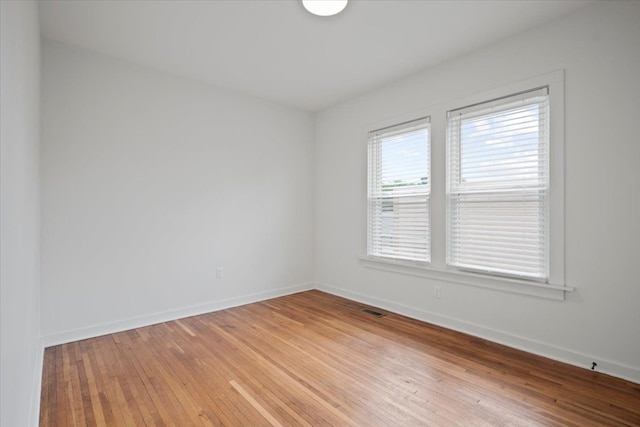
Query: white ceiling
x,y
276,50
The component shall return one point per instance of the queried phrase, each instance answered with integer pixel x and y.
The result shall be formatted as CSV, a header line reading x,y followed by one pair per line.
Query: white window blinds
x,y
399,192
497,186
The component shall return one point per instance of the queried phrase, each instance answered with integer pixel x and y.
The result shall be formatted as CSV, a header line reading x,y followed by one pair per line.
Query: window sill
x,y
523,287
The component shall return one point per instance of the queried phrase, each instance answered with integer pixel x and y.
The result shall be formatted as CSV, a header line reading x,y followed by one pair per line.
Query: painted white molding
x,y
515,286
151,319
560,354
36,386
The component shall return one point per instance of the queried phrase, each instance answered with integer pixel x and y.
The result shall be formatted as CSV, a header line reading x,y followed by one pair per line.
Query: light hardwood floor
x,y
313,359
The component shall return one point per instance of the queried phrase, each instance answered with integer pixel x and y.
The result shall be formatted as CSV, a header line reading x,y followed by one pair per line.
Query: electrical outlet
x,y
437,292
219,272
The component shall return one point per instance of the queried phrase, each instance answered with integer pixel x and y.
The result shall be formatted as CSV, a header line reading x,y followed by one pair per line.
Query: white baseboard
x,y
36,386
560,354
151,319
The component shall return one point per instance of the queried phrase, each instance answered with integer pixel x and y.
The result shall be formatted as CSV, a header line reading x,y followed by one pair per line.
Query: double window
x,y
496,204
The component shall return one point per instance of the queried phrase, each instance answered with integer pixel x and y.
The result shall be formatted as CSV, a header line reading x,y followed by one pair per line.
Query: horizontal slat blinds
x,y
497,186
399,192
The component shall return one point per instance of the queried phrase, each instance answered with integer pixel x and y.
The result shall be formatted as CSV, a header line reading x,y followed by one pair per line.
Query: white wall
x,y
20,348
150,182
600,50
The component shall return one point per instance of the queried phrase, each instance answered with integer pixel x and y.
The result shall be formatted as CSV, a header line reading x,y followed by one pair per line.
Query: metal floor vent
x,y
372,312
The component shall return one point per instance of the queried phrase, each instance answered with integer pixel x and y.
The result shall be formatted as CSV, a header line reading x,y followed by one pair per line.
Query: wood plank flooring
x,y
313,359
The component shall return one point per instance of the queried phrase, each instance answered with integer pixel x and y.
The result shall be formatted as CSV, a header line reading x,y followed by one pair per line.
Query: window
x,y
473,195
399,192
498,186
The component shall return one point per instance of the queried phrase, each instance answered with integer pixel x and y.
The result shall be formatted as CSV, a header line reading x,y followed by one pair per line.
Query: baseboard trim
x,y
36,386
152,319
560,354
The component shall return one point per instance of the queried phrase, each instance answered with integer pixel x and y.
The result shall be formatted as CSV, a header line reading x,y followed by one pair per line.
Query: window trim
x,y
556,287
468,278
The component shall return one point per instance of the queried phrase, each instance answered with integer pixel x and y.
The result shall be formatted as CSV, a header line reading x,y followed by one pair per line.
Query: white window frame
x,y
480,251
409,248
438,270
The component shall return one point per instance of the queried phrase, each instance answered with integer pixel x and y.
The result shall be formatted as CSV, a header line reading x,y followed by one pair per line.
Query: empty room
x,y
320,213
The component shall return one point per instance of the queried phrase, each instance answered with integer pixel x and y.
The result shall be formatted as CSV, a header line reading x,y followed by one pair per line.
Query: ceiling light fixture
x,y
324,7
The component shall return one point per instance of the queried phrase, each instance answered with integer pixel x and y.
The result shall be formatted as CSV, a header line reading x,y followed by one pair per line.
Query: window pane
x,y
404,162
502,146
